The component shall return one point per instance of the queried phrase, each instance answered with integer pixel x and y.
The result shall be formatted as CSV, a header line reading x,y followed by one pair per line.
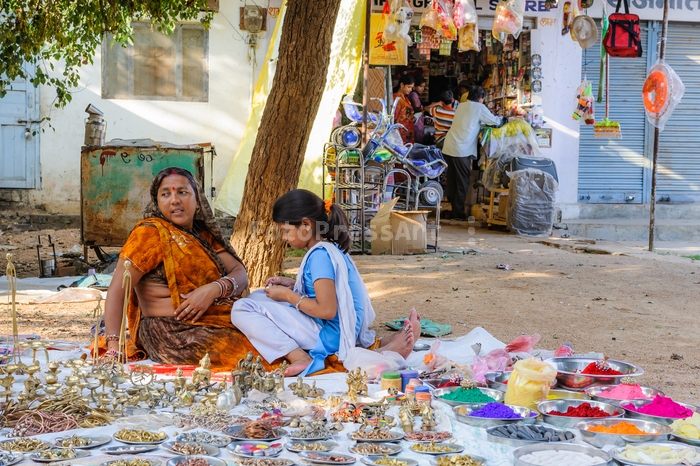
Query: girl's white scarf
x,y
346,306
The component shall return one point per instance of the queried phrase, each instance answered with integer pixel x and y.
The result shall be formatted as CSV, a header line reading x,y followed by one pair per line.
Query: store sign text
x,y
419,6
689,5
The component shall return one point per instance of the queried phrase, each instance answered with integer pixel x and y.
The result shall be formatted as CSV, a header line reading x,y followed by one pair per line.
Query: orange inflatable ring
x,y
656,92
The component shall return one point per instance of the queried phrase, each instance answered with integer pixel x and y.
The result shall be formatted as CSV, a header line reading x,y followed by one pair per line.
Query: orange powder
x,y
619,428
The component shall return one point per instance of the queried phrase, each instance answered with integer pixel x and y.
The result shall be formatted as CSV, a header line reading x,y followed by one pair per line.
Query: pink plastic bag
x,y
564,351
523,344
496,360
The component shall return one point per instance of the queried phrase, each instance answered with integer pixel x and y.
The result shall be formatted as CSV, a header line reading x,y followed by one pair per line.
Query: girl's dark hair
x,y
406,79
476,93
299,204
418,80
172,171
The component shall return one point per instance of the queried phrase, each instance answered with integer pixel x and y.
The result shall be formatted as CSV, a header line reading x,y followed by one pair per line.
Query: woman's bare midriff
x,y
154,299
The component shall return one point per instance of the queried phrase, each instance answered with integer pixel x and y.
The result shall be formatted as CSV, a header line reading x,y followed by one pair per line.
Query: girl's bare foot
x,y
414,318
298,361
401,342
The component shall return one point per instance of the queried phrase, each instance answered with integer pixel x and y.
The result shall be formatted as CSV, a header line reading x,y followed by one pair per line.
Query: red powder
x,y
447,384
582,410
593,369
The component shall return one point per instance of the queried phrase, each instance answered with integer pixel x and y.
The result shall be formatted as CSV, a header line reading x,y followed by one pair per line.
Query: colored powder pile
x,y
582,410
471,395
624,392
619,428
496,411
594,369
664,407
688,427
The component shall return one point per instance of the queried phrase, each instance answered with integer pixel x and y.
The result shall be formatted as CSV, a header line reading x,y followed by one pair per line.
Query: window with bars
x,y
158,66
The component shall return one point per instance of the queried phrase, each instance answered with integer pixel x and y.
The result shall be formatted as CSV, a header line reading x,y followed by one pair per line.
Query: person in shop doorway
x,y
464,87
443,113
418,109
404,113
460,147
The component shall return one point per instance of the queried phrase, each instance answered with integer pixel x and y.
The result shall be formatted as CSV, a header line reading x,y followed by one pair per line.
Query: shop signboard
x,y
381,51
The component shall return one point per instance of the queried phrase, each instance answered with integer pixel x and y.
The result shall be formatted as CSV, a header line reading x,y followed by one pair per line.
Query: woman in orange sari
x,y
185,277
404,109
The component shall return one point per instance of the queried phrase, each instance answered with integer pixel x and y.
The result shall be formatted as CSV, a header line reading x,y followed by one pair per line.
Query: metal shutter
x,y
678,164
612,170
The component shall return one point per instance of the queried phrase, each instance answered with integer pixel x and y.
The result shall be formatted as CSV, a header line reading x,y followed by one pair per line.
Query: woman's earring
x,y
197,209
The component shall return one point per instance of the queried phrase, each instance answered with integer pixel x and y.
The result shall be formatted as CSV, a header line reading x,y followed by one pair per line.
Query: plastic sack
x,y
531,195
493,178
564,351
508,18
398,21
584,103
373,362
464,13
529,383
662,91
435,362
516,138
469,38
447,24
523,344
430,17
492,363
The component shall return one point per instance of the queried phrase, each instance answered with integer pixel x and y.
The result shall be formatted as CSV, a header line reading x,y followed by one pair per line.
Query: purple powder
x,y
496,411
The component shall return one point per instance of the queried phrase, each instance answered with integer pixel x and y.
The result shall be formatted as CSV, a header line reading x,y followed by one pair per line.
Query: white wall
x,y
561,70
220,121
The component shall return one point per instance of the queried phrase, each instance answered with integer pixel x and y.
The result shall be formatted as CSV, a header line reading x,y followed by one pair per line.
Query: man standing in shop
x,y
443,113
460,147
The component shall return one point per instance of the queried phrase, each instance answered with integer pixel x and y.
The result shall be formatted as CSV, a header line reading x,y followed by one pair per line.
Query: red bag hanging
x,y
623,38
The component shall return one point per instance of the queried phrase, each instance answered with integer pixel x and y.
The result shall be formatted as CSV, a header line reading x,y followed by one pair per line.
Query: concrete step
x,y
626,229
638,211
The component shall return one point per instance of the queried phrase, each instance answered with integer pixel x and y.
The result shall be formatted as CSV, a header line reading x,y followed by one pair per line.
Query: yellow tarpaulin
x,y
343,70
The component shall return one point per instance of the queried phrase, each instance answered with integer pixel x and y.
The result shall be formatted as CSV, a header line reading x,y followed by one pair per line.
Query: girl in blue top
x,y
327,309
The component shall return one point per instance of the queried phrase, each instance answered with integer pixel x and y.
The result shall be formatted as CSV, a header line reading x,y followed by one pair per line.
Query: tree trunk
x,y
277,157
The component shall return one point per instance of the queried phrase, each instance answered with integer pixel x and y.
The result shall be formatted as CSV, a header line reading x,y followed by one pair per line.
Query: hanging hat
x,y
583,4
585,30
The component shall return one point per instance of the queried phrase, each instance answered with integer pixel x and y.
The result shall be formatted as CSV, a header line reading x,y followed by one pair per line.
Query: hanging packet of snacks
x,y
464,13
508,18
584,103
447,24
529,383
465,20
428,41
469,38
430,18
446,47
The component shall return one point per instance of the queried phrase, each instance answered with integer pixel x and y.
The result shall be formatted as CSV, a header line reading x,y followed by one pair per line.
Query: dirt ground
x,y
636,307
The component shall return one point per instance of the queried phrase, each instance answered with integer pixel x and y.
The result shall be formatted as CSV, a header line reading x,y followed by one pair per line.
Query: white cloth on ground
x,y
274,328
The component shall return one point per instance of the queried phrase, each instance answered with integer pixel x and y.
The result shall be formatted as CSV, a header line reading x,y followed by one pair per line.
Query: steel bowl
x,y
558,394
615,452
585,449
497,395
569,372
656,432
433,383
596,394
545,407
690,441
521,442
462,413
496,380
648,417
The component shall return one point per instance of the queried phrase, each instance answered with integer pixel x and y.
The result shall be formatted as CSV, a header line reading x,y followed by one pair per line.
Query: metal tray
x,y
497,395
78,454
545,407
639,403
680,446
267,461
394,447
97,441
305,455
44,446
522,443
10,458
657,432
495,380
233,433
329,445
585,449
456,448
397,436
371,461
150,461
559,394
690,441
129,449
158,442
218,440
595,393
311,439
480,459
212,461
568,375
272,451
462,414
210,450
